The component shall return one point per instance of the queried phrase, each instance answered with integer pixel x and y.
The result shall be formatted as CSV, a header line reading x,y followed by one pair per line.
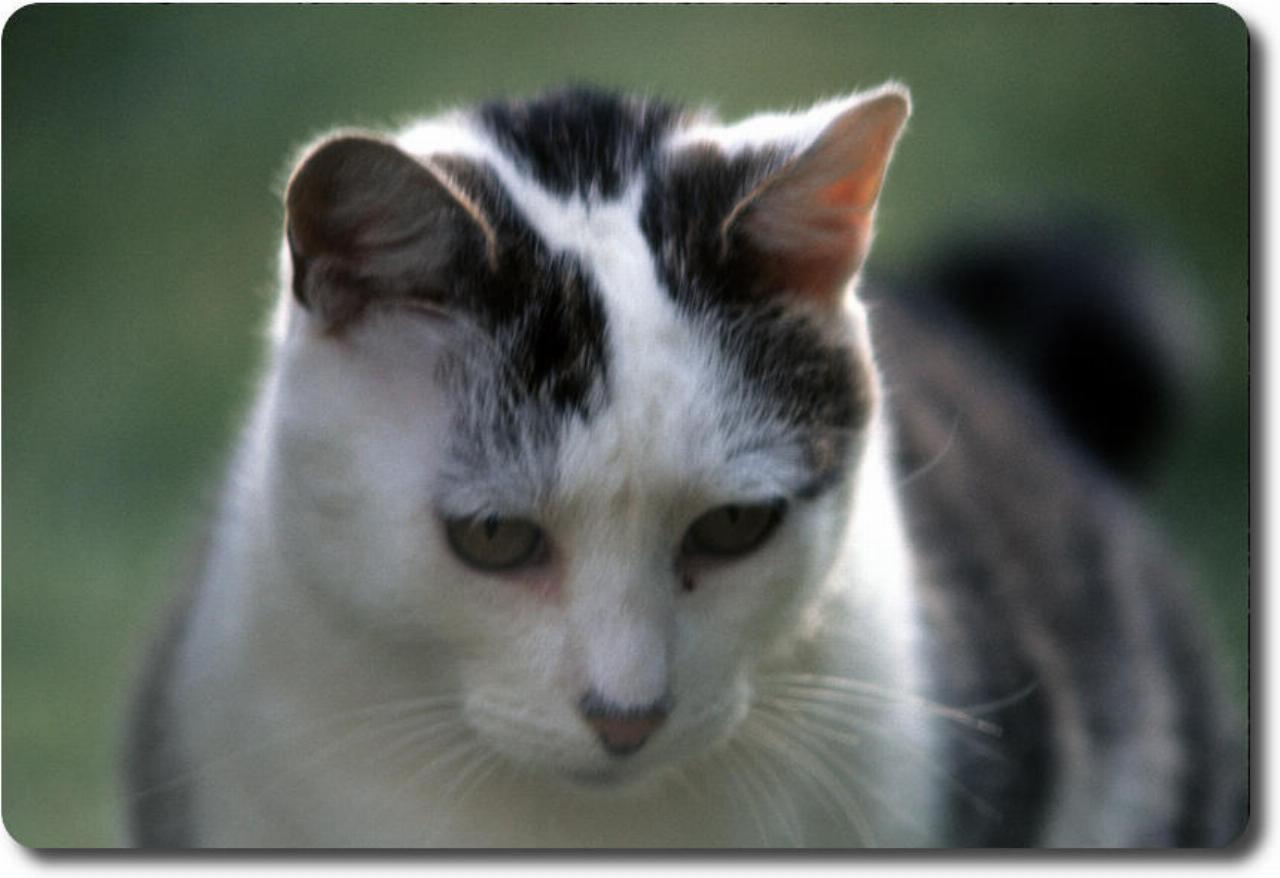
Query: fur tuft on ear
x,y
368,223
808,226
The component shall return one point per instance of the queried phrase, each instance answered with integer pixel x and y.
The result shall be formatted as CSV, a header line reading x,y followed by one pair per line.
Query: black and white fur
x,y
610,315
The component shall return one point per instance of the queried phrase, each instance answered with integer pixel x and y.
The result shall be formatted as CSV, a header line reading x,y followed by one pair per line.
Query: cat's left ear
x,y
367,223
808,226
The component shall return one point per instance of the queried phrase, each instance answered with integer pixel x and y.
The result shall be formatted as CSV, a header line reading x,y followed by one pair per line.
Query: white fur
x,y
331,592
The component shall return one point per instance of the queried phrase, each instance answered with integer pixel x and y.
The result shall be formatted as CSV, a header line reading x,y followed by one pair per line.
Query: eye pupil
x,y
494,543
732,530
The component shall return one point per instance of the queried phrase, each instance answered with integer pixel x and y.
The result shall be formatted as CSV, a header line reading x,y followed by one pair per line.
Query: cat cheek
x,y
544,585
686,576
545,582
691,573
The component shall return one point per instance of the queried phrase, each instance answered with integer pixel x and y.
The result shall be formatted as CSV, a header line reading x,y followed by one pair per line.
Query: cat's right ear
x,y
807,228
369,224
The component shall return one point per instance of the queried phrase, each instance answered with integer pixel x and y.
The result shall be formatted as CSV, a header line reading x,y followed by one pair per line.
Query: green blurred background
x,y
143,153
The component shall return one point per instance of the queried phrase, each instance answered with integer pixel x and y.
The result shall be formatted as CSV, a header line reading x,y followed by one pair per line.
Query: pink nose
x,y
622,730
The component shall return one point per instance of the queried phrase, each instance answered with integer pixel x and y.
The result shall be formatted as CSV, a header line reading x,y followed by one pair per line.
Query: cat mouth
x,y
615,774
599,778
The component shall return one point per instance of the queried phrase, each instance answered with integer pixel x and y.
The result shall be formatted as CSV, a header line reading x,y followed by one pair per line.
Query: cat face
x,y
575,392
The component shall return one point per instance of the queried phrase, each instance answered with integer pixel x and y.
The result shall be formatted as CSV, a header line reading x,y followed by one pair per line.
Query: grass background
x,y
143,151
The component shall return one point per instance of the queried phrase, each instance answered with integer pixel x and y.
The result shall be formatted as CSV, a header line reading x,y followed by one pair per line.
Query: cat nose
x,y
623,730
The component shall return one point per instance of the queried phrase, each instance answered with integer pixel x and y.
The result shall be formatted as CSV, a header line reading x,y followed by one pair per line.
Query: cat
x,y
587,503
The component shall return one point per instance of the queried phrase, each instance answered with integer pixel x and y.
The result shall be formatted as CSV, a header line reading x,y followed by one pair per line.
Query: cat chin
x,y
621,779
626,777
594,774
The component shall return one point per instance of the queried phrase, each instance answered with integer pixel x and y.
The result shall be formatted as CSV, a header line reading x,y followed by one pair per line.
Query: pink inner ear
x,y
819,266
809,227
856,193
809,240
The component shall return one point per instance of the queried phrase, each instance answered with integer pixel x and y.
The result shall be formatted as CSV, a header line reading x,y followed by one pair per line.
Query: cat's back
x,y
1055,611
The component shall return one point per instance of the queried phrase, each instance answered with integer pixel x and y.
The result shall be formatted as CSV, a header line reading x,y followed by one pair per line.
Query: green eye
x,y
730,531
495,543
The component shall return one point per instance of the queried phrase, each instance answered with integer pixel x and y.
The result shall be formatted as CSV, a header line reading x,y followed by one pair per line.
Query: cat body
x,y
575,511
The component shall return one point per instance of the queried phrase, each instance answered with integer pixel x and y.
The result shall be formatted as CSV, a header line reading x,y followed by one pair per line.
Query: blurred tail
x,y
1092,318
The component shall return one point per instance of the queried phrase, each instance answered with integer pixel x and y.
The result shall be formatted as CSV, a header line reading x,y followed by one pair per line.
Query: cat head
x,y
571,393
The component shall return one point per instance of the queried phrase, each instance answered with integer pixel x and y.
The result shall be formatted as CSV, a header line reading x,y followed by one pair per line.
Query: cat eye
x,y
495,544
733,530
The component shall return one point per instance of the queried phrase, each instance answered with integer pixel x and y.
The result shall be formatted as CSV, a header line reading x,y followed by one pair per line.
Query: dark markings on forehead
x,y
815,380
580,141
540,307
541,361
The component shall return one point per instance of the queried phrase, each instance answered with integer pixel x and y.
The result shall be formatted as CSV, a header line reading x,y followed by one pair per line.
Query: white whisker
x,y
893,736
822,737
440,760
850,811
857,693
348,726
756,754
928,465
744,795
